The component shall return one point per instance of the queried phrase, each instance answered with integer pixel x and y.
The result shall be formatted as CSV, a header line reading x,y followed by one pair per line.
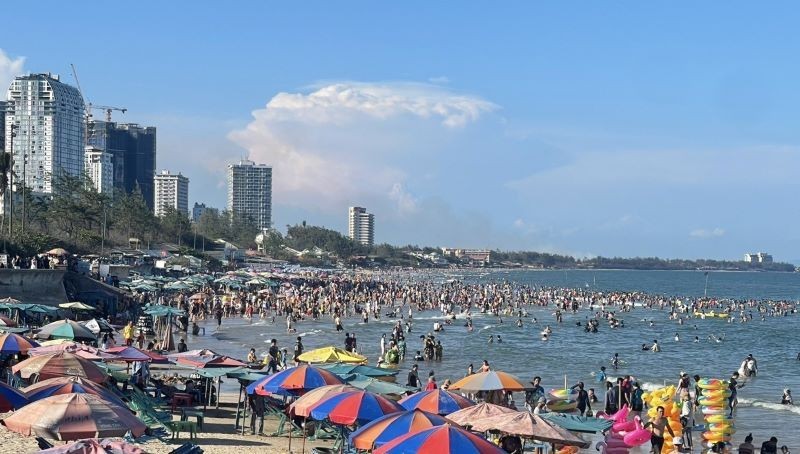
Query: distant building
x,y
100,170
171,191
361,226
199,209
758,257
2,125
250,192
50,122
133,155
472,255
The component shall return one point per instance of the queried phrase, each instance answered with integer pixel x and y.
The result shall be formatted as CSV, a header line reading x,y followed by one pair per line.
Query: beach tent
x,y
74,416
331,355
528,425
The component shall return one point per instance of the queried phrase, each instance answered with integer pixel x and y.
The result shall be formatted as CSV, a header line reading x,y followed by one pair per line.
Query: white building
x,y
171,191
100,170
250,192
758,257
49,117
361,226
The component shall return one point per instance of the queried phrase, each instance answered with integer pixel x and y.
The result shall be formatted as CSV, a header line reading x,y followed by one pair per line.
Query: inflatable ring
x,y
716,394
568,450
719,419
712,402
714,410
712,383
716,437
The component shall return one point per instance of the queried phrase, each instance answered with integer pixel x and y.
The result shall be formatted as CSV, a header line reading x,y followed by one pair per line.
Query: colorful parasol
x,y
60,364
303,405
331,355
391,426
482,410
527,425
490,381
66,329
128,354
294,381
11,398
437,401
441,440
68,385
11,344
82,350
72,417
352,407
95,446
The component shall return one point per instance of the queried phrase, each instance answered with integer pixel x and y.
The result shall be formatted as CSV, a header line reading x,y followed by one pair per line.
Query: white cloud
x,y
9,68
706,233
439,80
352,143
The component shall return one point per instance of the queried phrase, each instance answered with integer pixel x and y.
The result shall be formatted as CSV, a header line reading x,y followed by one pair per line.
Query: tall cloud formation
x,y
9,68
352,143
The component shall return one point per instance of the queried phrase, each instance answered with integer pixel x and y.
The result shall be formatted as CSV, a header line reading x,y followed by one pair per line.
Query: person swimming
x,y
499,339
786,399
655,348
677,337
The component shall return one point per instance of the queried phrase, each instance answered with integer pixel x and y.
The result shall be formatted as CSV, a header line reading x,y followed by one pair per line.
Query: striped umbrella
x,y
11,398
84,351
441,440
303,405
68,385
490,381
72,417
60,364
437,401
12,344
393,425
354,407
294,381
66,329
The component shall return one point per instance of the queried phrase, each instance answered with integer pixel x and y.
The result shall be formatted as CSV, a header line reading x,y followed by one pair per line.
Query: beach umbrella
x,y
205,362
11,344
66,329
72,417
60,364
490,381
84,351
331,355
294,381
59,251
303,405
5,321
95,446
482,410
376,386
393,425
352,407
125,353
528,425
68,385
76,306
439,401
10,301
11,398
51,342
442,439
39,309
161,310
97,326
344,370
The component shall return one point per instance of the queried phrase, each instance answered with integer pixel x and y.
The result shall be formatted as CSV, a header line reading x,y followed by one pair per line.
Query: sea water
x,y
577,355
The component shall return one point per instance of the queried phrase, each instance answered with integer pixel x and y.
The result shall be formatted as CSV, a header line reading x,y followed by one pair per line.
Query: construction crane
x,y
108,110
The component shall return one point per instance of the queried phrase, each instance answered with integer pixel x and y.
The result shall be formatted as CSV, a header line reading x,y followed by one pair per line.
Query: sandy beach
x,y
218,436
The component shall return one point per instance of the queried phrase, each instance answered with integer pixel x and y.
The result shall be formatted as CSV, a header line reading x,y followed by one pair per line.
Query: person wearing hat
x,y
677,445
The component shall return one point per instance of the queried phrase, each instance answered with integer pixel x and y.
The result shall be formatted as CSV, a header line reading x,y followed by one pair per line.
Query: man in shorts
x,y
658,424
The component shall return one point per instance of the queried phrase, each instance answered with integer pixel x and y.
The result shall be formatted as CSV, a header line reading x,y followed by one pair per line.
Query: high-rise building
x,y
250,192
171,191
133,154
50,127
100,170
199,209
2,125
361,226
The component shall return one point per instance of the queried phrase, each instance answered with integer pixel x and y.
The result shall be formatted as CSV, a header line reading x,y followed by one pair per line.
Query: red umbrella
x,y
125,353
95,446
68,385
60,364
72,417
203,362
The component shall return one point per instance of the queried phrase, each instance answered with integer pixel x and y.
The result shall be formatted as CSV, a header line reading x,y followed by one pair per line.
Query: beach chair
x,y
176,427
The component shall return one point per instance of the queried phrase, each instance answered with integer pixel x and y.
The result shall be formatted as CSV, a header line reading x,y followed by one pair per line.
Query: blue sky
x,y
586,128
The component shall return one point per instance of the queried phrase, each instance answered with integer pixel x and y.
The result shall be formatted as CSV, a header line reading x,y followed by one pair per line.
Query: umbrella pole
x,y
305,421
291,423
218,392
238,402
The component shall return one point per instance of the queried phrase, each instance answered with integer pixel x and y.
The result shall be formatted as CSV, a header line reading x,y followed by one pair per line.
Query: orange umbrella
x,y
302,406
483,410
490,381
72,417
60,364
527,425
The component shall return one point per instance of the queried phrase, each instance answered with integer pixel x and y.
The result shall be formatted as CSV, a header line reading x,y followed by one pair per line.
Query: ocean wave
x,y
744,402
307,333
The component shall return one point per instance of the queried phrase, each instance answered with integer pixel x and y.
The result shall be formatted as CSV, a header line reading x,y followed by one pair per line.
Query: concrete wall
x,y
33,286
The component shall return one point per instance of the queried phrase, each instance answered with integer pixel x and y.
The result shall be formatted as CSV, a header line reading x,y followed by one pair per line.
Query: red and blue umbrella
x,y
393,425
354,407
294,381
12,344
439,401
68,385
441,440
11,398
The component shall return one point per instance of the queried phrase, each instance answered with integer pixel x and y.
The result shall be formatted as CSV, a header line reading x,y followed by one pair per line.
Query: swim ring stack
x,y
562,400
714,406
664,397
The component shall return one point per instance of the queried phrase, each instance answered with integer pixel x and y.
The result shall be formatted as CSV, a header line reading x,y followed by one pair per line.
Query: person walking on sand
x,y
659,423
127,334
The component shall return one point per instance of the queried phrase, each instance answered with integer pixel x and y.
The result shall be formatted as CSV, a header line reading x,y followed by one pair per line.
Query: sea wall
x,y
33,286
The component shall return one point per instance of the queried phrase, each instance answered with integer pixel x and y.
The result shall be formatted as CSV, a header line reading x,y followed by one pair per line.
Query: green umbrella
x,y
376,386
159,310
66,329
